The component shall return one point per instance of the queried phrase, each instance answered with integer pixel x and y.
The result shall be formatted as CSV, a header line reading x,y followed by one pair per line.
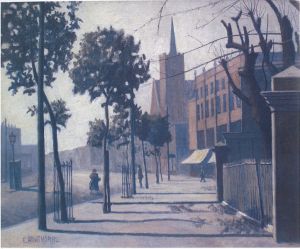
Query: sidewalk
x,y
179,213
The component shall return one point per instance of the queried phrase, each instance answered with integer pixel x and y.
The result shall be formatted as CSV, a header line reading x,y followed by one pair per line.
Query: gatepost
x,y
284,102
221,152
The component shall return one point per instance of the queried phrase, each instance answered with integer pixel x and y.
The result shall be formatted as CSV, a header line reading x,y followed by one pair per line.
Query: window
x,y
210,137
202,114
224,102
218,104
223,83
198,112
201,92
206,90
206,108
217,86
212,107
200,139
231,101
238,102
220,131
196,94
211,87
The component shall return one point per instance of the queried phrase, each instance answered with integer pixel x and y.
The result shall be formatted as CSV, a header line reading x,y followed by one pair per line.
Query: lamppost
x,y
12,141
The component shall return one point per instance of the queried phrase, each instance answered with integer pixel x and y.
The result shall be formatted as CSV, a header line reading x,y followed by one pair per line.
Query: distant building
x,y
6,148
29,157
88,158
170,94
26,153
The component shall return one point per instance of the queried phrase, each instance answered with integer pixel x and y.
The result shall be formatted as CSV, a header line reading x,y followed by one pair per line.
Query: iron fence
x,y
126,182
248,188
67,171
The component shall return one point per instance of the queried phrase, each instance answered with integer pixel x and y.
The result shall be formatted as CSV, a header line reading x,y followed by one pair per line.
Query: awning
x,y
212,158
200,156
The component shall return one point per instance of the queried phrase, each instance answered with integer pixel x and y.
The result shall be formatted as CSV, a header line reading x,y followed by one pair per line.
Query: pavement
x,y
26,199
182,212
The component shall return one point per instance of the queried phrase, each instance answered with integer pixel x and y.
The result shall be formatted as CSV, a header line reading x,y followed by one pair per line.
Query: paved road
x,y
179,213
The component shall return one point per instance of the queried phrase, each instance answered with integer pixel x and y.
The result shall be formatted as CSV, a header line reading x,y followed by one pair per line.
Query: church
x,y
170,95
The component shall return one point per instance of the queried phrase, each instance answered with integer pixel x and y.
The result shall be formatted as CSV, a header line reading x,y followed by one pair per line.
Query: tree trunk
x,y
63,206
260,111
156,171
42,224
127,173
132,131
168,152
145,166
286,30
159,160
168,147
106,188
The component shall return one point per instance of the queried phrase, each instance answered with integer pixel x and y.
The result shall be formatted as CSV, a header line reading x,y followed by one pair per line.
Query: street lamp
x,y
12,141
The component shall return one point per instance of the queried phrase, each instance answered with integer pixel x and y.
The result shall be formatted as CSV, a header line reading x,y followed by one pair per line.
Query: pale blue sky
x,y
127,15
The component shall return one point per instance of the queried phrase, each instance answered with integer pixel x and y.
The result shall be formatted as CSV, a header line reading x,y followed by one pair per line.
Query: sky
x,y
130,16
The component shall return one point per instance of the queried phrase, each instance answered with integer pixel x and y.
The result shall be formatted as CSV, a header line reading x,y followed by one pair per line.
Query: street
x,y
177,213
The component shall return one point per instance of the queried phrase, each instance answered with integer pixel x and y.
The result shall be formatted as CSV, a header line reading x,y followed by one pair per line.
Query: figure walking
x,y
94,182
202,175
140,175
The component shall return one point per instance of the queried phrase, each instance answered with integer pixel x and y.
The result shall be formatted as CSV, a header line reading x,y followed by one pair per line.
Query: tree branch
x,y
230,42
264,45
235,89
236,20
35,74
275,9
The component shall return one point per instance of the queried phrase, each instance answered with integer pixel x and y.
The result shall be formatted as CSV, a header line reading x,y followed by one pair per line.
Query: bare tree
x,y
251,93
286,29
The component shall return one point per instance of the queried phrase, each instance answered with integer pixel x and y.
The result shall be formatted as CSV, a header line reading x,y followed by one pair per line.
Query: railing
x,y
126,182
248,188
67,172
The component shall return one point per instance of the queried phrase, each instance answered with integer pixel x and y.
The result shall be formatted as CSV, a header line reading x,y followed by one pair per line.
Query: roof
x,y
290,72
173,50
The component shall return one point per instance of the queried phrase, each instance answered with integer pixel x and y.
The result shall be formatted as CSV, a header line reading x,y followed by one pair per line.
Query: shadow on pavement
x,y
179,193
155,212
158,202
178,235
134,221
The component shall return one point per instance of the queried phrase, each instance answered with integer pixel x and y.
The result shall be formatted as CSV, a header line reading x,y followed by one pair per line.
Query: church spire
x,y
173,50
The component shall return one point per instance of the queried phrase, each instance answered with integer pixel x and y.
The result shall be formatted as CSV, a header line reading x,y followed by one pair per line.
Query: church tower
x,y
168,96
172,82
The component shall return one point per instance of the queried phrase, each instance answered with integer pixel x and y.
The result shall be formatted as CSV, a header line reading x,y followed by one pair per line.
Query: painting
x,y
150,123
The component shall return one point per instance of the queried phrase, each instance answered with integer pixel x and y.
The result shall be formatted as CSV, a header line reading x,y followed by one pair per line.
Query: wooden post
x,y
221,152
284,102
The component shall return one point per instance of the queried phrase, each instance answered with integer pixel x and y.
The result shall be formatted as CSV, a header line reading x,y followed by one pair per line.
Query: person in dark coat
x,y
202,175
140,176
94,182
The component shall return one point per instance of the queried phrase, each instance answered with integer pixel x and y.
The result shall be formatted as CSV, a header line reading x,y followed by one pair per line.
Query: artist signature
x,y
40,239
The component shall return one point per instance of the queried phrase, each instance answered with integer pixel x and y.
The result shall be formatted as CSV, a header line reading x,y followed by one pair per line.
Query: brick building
x,y
170,94
215,110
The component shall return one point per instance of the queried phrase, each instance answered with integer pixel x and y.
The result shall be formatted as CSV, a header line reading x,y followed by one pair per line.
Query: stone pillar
x,y
221,152
284,102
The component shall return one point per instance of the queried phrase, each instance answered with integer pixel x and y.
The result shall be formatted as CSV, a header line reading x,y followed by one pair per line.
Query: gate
x,y
126,182
67,172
